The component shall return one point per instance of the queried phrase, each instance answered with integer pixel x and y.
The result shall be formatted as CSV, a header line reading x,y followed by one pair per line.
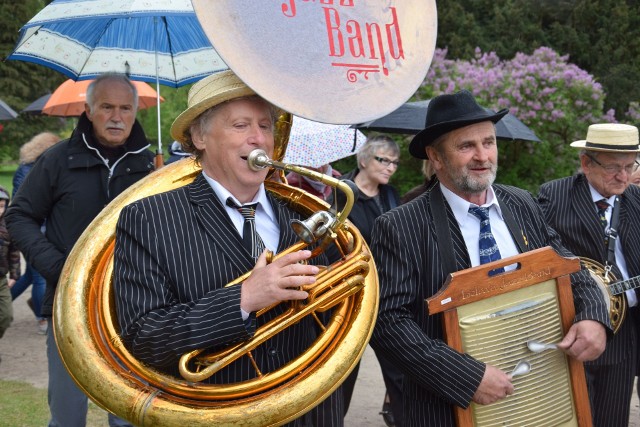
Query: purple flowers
x,y
557,99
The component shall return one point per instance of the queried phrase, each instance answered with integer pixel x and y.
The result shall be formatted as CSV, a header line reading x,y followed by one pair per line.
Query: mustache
x,y
116,125
483,165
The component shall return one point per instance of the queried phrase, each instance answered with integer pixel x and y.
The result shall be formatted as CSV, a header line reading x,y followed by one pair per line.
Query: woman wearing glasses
x,y
377,162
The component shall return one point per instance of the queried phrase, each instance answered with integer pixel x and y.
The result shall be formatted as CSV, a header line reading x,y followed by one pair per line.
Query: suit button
x,y
272,352
128,170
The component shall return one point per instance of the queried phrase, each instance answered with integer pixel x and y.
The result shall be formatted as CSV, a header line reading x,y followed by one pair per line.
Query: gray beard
x,y
469,185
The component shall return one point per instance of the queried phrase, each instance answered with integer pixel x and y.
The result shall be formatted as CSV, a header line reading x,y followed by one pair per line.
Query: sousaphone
x,y
331,61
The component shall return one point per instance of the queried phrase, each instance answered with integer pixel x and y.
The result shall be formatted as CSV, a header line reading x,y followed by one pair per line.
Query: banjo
x,y
612,289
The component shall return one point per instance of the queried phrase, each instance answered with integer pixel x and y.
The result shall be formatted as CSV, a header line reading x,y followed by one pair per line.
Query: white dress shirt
x,y
266,221
470,225
632,300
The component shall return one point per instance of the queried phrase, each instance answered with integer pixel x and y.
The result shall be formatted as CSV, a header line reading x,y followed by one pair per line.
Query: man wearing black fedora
x,y
459,140
596,213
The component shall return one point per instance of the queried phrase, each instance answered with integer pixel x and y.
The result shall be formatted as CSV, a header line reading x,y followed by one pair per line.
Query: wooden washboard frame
x,y
542,268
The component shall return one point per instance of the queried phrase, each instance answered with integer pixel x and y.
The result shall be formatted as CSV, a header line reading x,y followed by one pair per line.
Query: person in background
x,y
227,220
316,188
377,160
427,172
67,187
9,265
459,140
29,153
176,152
581,209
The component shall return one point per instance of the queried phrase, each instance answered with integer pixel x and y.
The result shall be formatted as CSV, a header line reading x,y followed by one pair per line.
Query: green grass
x,y
23,405
6,177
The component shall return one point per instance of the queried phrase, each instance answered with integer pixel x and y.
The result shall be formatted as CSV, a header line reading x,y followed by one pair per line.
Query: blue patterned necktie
x,y
251,240
487,243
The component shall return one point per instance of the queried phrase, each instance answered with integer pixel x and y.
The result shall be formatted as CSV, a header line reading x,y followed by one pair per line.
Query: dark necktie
x,y
487,243
251,240
603,205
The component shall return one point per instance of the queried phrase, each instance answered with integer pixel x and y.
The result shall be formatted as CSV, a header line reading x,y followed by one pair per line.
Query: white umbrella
x,y
315,144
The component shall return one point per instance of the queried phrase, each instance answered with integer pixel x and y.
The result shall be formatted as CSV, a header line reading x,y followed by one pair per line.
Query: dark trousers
x,y
392,380
610,389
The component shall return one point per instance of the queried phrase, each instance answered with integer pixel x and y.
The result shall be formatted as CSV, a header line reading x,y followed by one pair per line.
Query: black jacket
x,y
365,209
68,186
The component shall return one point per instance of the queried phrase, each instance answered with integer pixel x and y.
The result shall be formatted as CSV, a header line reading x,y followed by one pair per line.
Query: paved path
x,y
23,359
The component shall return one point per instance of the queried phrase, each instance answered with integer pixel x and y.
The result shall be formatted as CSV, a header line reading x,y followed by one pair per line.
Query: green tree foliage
x,y
175,102
600,36
22,82
555,98
603,36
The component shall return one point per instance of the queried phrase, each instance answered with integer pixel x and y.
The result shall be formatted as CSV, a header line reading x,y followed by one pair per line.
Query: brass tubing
x,y
86,332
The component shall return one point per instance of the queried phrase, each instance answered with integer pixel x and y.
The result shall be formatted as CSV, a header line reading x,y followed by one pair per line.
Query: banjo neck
x,y
624,285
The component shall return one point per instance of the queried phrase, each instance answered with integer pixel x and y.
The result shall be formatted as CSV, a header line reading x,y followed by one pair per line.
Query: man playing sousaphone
x,y
176,251
584,209
459,139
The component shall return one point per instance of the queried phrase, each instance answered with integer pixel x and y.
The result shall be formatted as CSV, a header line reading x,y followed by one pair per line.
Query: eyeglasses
x,y
386,162
615,169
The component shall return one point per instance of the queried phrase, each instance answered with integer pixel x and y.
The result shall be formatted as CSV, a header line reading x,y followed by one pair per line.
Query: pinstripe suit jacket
x,y
569,209
174,254
409,265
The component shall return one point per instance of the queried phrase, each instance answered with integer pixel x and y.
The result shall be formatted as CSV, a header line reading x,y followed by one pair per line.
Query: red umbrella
x,y
68,100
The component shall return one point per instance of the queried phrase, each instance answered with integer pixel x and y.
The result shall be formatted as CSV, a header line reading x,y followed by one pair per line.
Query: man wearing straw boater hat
x,y
415,251
176,251
596,213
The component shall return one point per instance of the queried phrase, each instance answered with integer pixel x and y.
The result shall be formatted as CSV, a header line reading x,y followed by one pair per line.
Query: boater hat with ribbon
x,y
206,93
449,112
612,137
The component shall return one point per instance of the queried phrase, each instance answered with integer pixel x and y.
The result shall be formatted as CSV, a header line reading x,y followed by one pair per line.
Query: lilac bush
x,y
555,98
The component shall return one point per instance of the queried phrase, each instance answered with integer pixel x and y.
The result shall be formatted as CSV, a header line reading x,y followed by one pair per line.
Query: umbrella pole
x,y
159,160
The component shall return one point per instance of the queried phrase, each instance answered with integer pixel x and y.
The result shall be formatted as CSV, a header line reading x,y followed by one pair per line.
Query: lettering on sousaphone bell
x,y
330,61
364,44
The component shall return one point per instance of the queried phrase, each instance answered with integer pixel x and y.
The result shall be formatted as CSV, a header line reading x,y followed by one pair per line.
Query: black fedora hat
x,y
449,112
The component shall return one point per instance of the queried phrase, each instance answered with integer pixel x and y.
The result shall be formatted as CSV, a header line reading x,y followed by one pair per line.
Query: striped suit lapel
x,y
519,215
459,246
216,224
629,235
583,208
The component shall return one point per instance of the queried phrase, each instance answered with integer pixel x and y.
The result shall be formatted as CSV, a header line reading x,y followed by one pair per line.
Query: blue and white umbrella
x,y
85,38
153,41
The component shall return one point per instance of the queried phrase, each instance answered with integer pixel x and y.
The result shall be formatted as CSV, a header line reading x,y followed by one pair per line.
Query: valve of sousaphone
x,y
314,227
321,224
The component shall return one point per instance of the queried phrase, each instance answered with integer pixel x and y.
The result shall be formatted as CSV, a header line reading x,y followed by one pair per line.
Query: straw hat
x,y
206,93
613,137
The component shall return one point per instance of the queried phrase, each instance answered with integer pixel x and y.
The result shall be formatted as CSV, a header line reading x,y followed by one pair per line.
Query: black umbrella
x,y
6,112
410,117
36,106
